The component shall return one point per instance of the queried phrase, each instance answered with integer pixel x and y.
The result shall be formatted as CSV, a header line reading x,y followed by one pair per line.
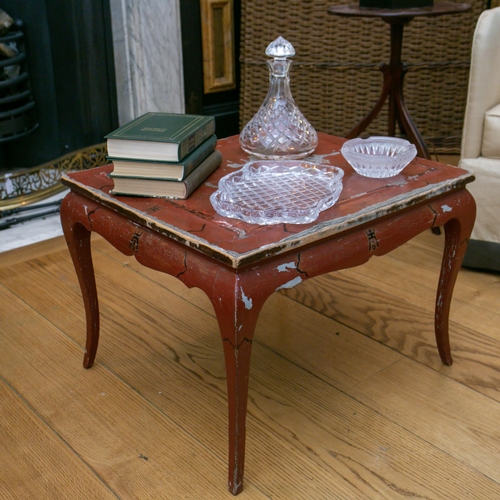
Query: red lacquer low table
x,y
240,265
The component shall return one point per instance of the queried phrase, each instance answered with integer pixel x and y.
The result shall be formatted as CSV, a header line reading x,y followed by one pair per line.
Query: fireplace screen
x,y
17,107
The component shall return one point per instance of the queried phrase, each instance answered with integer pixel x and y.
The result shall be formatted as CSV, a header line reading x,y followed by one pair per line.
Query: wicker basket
x,y
335,77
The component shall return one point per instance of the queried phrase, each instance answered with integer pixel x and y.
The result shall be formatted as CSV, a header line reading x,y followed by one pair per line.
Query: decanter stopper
x,y
279,130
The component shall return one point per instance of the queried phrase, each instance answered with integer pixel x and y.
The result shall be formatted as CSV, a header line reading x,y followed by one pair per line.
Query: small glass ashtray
x,y
274,192
378,156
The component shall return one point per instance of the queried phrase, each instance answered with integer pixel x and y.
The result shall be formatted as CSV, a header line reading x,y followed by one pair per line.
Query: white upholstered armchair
x,y
481,141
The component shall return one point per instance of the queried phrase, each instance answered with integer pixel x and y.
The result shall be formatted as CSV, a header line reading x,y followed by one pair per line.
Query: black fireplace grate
x,y
17,106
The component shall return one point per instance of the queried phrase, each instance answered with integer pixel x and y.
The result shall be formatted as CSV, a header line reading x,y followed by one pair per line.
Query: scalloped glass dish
x,y
273,192
378,157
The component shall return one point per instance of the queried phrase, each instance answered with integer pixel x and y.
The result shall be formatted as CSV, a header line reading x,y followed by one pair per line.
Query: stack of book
x,y
163,155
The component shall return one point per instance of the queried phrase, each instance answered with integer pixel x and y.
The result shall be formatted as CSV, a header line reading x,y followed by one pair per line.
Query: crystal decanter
x,y
279,130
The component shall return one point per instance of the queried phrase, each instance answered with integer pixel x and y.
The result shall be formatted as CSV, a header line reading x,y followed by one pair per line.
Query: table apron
x,y
347,249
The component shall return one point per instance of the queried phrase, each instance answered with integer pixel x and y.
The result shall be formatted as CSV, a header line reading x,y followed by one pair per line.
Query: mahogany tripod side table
x,y
239,265
394,72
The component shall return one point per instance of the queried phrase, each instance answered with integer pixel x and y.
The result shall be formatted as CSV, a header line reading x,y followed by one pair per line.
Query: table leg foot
x,y
457,234
78,240
238,369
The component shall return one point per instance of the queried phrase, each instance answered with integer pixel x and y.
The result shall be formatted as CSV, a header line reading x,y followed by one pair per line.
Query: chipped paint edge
x,y
309,235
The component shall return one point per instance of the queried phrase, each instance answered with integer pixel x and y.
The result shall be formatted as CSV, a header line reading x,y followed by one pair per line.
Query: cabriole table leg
x,y
237,306
457,234
76,228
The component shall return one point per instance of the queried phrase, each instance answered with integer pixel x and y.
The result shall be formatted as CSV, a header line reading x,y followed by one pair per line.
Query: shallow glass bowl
x,y
378,156
273,192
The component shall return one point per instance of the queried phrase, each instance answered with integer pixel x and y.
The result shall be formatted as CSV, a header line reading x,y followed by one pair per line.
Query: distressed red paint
x,y
240,265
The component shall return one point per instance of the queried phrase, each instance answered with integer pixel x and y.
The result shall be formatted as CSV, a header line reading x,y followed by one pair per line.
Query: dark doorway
x,y
224,104
71,71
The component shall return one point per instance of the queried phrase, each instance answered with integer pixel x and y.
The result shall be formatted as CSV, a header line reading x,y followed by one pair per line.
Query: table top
x,y
438,9
194,222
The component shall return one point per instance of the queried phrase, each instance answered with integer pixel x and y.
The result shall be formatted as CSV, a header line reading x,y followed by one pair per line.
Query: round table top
x,y
438,9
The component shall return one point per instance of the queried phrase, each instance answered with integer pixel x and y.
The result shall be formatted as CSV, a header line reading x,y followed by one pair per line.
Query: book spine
x,y
196,138
202,172
196,157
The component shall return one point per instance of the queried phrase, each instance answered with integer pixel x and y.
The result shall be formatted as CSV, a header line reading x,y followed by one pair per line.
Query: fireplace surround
x,y
93,65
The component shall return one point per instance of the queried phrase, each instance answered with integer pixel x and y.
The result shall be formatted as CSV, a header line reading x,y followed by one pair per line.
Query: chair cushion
x,y
491,133
485,190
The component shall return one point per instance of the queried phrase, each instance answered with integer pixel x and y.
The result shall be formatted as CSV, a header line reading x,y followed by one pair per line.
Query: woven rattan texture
x,y
335,77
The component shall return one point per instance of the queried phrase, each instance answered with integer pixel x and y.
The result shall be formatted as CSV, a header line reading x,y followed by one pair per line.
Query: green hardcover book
x,y
164,170
160,136
161,188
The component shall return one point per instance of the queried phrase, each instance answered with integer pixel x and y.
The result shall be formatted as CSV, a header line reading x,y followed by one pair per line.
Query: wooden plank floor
x,y
348,398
